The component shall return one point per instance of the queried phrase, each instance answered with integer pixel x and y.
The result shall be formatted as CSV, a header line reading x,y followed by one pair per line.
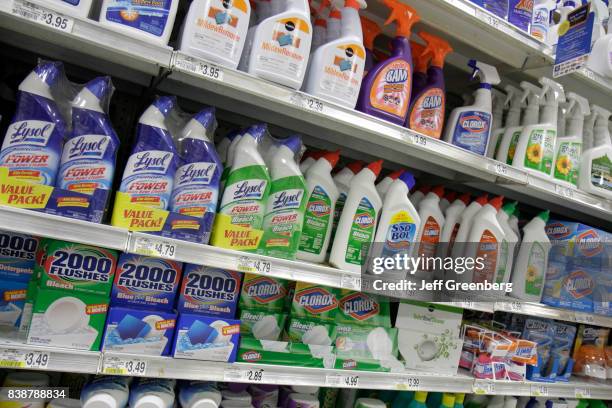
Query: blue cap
x,y
257,131
49,71
408,179
232,134
100,86
206,117
294,143
165,104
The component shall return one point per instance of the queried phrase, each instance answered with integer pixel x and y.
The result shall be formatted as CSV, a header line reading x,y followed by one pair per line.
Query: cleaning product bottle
x,y
149,21
386,90
371,30
514,222
420,63
286,203
216,30
432,221
465,225
599,8
152,393
319,32
336,68
531,114
149,173
510,401
598,59
89,155
383,185
469,127
343,182
563,9
199,394
310,159
446,201
459,398
196,183
426,113
532,260
434,399
510,241
402,399
497,401
448,400
419,195
281,45
569,147
227,167
419,400
541,18
485,240
105,391
498,103
334,22
357,223
535,149
595,174
452,219
514,102
32,145
224,145
322,194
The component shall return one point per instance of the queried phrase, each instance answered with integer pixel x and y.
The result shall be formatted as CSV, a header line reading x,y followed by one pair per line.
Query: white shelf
x,y
540,310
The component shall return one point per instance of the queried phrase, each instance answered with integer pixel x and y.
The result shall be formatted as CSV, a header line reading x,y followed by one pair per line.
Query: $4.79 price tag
x,y
37,14
153,247
124,366
250,265
11,358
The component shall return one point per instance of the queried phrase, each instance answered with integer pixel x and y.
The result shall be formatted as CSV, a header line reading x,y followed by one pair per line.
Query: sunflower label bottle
x,y
569,147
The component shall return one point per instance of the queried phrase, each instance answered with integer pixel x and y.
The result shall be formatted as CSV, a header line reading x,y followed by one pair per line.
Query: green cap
x,y
420,396
510,208
448,400
517,213
460,397
544,215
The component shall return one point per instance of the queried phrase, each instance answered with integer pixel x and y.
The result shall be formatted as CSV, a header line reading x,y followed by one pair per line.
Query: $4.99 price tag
x,y
153,247
37,14
124,366
11,358
338,380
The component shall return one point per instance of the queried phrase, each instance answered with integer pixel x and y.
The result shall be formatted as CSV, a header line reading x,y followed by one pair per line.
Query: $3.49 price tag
x,y
11,358
124,366
250,265
37,14
153,247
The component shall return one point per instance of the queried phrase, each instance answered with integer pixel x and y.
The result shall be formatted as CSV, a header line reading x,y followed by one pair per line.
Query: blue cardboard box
x,y
17,256
207,338
12,302
209,291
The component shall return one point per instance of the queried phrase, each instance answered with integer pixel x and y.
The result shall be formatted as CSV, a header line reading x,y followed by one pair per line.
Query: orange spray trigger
x,y
403,15
419,59
324,4
436,47
371,30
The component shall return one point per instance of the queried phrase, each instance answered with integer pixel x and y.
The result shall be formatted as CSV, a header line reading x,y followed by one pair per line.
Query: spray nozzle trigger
x,y
371,30
487,74
513,96
531,93
552,92
578,102
436,47
403,15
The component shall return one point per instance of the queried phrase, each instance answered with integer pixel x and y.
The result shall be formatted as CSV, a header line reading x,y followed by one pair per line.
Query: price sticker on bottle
x,y
198,67
340,380
482,387
12,358
408,383
43,16
539,390
253,265
124,366
151,246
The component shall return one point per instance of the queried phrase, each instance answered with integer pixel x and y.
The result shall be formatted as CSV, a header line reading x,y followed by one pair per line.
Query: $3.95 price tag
x,y
123,366
199,67
11,358
153,247
249,265
37,14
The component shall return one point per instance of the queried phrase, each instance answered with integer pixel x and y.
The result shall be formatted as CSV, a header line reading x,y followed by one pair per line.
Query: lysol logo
x,y
474,124
317,300
540,16
264,290
196,173
248,189
88,146
364,220
251,356
396,76
431,102
319,208
287,199
557,230
589,243
359,306
33,131
579,284
153,161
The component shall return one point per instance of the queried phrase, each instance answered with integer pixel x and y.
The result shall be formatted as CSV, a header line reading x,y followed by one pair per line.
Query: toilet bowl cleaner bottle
x,y
596,162
420,63
514,222
321,194
227,166
386,90
148,176
506,261
465,225
336,69
513,101
281,45
446,201
432,222
152,393
216,30
310,159
497,115
371,30
418,195
105,391
196,182
89,155
32,146
224,145
343,182
452,221
469,127
383,185
569,147
357,224
535,149
286,203
426,113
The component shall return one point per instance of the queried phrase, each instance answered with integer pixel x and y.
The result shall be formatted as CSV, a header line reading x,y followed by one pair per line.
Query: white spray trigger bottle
x,y
602,14
470,126
598,59
513,102
569,147
596,163
498,101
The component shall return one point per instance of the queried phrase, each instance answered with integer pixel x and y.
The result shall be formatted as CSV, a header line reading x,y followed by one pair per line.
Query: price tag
x,y
307,102
584,318
232,374
467,304
501,169
589,74
254,375
563,191
408,383
481,387
417,139
516,307
492,21
582,392
153,247
124,366
338,380
539,390
351,282
249,265
11,358
43,16
199,67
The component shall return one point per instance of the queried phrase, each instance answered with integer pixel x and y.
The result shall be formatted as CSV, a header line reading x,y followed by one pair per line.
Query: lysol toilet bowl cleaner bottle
x,y
426,114
485,241
446,201
535,149
224,145
231,152
371,30
383,185
596,163
336,69
530,266
452,221
420,63
469,127
514,102
105,392
216,30
357,224
32,146
89,155
511,239
196,182
465,224
432,222
286,203
569,147
149,173
343,182
152,393
322,194
281,45
497,116
386,89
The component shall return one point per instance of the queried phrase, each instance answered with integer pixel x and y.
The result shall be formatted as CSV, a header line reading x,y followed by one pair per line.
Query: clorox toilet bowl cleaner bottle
x,y
465,225
452,221
343,182
432,222
446,201
512,240
419,195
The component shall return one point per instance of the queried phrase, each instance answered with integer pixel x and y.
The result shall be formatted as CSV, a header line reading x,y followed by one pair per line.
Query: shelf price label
x,y
408,383
493,21
352,282
37,14
566,192
307,102
253,375
250,265
340,380
516,307
539,390
198,67
582,392
124,366
482,387
584,318
417,139
12,358
153,247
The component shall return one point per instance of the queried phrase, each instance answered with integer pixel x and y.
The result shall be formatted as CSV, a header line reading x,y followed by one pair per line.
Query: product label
x,y
196,189
342,72
209,290
391,90
503,262
601,172
338,212
427,116
361,233
245,195
578,284
17,256
430,238
286,51
568,161
218,31
148,178
359,306
83,168
488,251
536,268
315,301
540,150
150,16
400,234
317,220
472,131
263,292
540,22
520,13
512,147
452,238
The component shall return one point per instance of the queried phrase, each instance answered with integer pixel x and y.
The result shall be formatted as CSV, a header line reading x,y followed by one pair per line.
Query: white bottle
x,y
510,402
148,22
465,224
447,200
419,195
498,103
531,114
452,221
432,222
199,394
514,223
322,194
80,8
563,10
513,117
598,59
343,182
309,159
224,145
540,20
105,392
469,127
357,224
486,240
383,185
535,149
319,33
281,45
601,15
530,267
568,151
336,69
595,174
334,24
152,393
504,269
216,30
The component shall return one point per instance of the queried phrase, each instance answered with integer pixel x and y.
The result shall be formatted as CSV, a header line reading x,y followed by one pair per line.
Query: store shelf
x,y
575,388
540,310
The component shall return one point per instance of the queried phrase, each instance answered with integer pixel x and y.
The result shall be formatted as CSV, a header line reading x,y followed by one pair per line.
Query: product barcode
x,y
112,371
25,14
11,364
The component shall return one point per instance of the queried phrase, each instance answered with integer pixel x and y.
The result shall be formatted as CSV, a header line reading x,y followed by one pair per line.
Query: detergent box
x,y
210,291
520,13
263,292
363,308
146,282
17,256
139,331
315,301
77,267
12,302
200,337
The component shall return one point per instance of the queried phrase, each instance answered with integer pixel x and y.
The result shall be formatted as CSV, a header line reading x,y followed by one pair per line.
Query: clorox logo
x,y
317,300
264,290
364,220
319,208
474,124
359,306
349,364
251,356
579,284
557,230
589,243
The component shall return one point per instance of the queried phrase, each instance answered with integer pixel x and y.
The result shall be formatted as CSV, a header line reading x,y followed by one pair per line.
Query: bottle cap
x,y
101,400
448,400
403,15
510,208
355,166
482,200
294,143
257,131
451,196
165,104
100,86
205,117
335,14
497,202
49,71
465,198
438,190
396,174
371,30
231,135
149,401
375,167
544,215
320,22
420,396
408,179
205,403
437,49
332,157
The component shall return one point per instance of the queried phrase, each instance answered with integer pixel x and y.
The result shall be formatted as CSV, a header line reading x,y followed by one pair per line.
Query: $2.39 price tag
x,y
11,358
41,15
124,366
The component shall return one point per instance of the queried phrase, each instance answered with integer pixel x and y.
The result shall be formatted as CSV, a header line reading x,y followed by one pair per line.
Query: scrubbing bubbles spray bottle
x,y
569,147
470,126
